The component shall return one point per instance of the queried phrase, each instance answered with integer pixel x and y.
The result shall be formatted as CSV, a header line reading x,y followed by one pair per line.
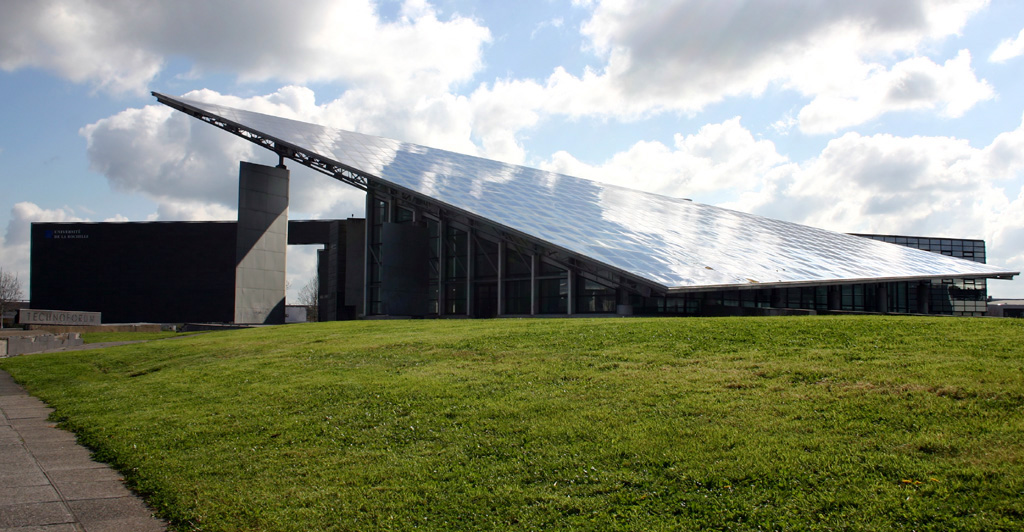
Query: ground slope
x,y
816,423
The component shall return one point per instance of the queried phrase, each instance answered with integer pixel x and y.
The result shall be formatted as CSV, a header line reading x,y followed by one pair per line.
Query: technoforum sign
x,y
57,317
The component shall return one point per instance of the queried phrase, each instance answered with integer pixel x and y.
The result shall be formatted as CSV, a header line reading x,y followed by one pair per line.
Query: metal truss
x,y
284,150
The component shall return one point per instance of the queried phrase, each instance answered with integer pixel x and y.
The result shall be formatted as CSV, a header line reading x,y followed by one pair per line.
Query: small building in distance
x,y
1006,308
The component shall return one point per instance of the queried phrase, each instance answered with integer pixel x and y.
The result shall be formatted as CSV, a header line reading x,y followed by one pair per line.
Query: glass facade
x,y
378,217
552,289
512,240
666,243
594,297
482,277
518,275
954,296
456,268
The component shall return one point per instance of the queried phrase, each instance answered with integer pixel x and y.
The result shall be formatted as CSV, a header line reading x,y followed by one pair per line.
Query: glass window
x,y
517,264
486,255
403,215
594,297
455,248
554,296
455,298
517,297
551,269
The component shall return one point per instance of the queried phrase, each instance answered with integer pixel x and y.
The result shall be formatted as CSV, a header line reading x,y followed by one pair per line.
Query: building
x,y
179,272
449,234
454,235
958,297
1006,308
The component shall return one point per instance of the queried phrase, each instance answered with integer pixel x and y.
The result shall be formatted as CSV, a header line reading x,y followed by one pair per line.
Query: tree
x,y
10,291
309,296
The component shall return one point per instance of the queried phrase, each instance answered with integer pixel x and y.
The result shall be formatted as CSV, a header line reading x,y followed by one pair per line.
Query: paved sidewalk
x,y
48,483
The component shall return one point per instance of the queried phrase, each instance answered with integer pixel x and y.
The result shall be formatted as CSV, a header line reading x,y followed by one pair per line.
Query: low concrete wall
x,y
113,327
25,342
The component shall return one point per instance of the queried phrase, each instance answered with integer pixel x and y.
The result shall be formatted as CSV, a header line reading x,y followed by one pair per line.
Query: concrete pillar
x,y
261,243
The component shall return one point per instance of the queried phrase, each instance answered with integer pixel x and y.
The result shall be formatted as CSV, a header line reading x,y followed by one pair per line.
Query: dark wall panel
x,y
136,271
404,269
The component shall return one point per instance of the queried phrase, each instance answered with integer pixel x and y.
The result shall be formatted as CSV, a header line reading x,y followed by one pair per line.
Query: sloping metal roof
x,y
672,243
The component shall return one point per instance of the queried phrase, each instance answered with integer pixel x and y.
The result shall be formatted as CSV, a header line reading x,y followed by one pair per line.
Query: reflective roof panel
x,y
671,242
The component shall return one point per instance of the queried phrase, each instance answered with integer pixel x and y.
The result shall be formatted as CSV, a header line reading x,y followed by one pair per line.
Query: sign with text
x,y
57,317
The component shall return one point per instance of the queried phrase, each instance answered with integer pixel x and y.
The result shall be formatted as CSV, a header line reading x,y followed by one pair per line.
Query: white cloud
x,y
719,159
121,45
555,23
914,84
14,244
930,186
1008,49
192,211
166,155
191,169
302,262
854,60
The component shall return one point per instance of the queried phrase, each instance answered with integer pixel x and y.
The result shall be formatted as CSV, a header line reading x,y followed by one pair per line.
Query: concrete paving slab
x,y
19,400
34,514
44,435
21,425
75,491
26,412
54,447
67,527
8,436
59,478
65,454
49,483
123,525
52,463
27,494
13,454
122,513
16,475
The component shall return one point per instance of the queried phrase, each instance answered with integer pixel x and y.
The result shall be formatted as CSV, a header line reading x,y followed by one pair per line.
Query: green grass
x,y
816,423
102,337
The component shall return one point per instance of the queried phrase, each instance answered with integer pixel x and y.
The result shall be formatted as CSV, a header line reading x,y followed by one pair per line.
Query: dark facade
x,y
173,272
161,272
339,264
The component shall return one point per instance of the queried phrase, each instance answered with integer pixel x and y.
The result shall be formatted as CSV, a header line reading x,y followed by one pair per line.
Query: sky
x,y
869,116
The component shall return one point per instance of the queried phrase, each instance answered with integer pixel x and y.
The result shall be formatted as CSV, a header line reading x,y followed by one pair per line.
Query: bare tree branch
x,y
10,292
309,296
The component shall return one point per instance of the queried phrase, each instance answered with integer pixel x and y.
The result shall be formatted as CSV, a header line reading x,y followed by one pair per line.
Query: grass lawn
x,y
814,423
